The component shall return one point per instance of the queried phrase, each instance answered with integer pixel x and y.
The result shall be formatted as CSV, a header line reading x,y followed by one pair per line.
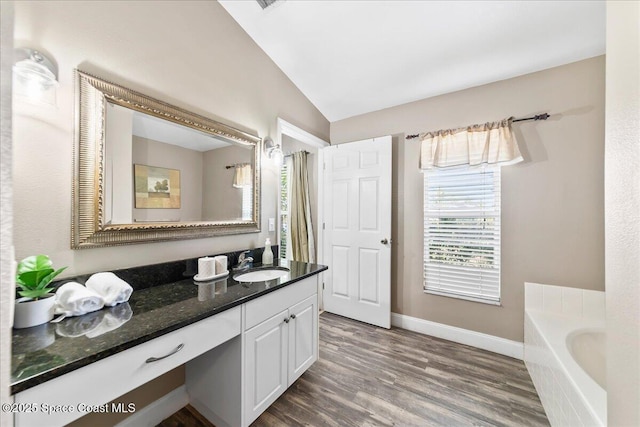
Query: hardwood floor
x,y
186,417
367,376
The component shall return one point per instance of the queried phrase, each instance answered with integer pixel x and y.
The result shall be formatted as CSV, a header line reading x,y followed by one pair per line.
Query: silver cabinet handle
x,y
293,316
155,359
384,241
286,319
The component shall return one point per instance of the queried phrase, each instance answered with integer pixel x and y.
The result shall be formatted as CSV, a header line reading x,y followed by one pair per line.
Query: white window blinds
x,y
284,210
247,202
462,232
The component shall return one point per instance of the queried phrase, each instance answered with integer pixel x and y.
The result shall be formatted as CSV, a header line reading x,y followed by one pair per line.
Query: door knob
x,y
384,241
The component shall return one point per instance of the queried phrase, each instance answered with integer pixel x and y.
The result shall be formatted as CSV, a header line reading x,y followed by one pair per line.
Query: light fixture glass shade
x,y
274,151
34,77
277,156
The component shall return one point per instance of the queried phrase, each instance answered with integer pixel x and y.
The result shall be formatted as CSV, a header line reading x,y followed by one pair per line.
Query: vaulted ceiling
x,y
354,57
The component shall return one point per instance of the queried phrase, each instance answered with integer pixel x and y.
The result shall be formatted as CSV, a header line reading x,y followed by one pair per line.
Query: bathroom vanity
x,y
243,344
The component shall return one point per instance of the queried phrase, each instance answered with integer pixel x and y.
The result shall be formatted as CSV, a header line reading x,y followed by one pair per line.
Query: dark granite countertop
x,y
47,351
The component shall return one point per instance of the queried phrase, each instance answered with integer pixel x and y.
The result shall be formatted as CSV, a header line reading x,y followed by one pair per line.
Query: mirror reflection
x,y
145,170
160,171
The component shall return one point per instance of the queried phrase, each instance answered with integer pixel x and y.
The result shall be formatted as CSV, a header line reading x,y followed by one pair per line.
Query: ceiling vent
x,y
265,3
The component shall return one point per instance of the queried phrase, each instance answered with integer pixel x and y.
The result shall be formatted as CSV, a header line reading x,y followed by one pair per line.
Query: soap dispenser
x,y
267,255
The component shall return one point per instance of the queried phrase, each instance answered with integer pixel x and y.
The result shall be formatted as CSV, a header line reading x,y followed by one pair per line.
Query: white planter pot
x,y
30,312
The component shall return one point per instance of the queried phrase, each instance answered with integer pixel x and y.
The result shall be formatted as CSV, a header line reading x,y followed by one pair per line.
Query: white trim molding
x,y
283,127
487,342
159,410
286,128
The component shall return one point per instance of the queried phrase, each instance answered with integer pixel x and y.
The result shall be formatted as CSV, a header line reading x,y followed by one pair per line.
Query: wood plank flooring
x,y
368,376
186,417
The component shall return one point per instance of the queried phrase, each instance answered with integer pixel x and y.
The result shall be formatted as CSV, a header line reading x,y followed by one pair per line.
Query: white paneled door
x,y
357,230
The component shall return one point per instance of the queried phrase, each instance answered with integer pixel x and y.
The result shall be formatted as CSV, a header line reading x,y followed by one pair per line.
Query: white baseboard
x,y
487,342
153,414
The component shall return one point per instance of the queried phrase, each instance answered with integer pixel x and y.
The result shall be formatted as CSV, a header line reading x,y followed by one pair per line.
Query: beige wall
x,y
118,153
188,162
189,53
6,206
141,396
552,204
622,213
221,200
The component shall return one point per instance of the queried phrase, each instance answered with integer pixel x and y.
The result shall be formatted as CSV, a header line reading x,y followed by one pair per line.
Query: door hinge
x,y
323,225
323,286
324,166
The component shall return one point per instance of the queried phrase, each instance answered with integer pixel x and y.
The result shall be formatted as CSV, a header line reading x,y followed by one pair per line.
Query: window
x,y
462,233
247,202
284,209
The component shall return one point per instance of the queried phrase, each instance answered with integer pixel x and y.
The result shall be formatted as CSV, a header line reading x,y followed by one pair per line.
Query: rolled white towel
x,y
110,287
73,299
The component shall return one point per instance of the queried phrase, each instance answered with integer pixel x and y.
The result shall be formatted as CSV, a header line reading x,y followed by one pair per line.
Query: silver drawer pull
x,y
155,359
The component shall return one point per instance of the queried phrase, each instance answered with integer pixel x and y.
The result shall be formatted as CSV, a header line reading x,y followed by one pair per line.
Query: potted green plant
x,y
33,279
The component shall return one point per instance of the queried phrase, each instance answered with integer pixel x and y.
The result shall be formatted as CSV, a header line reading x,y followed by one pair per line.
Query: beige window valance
x,y
489,143
243,176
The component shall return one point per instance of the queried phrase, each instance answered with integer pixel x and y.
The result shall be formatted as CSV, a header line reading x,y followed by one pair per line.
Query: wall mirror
x,y
145,171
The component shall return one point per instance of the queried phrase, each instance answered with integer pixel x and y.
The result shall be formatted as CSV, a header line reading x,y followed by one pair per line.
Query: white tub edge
x,y
553,329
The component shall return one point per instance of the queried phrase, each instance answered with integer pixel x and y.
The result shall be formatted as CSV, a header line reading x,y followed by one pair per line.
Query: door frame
x,y
283,127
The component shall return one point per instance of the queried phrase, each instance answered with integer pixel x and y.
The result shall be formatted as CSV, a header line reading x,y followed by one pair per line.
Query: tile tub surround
x,y
562,300
40,354
552,313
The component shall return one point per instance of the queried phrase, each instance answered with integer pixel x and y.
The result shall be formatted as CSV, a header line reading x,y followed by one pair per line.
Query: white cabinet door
x,y
303,337
265,364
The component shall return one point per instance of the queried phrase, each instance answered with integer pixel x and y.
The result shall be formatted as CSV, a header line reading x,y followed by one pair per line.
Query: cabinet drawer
x,y
262,308
106,379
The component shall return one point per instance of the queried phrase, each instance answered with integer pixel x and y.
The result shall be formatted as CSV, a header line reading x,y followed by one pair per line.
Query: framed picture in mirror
x,y
156,187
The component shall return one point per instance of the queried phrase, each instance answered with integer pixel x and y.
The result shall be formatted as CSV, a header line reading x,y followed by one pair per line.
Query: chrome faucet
x,y
244,261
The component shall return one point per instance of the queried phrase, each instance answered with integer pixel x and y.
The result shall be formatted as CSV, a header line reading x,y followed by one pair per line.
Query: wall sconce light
x,y
34,76
273,150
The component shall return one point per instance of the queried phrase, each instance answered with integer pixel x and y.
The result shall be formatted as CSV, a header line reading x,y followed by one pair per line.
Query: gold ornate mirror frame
x,y
87,221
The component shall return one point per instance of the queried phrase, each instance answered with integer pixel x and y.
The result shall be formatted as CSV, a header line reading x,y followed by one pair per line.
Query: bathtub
x,y
587,347
565,353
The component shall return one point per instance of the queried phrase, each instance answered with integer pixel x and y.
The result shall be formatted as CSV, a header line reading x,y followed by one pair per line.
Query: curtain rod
x,y
301,151
236,165
543,116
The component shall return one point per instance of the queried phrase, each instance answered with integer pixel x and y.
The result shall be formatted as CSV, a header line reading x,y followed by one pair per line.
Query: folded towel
x,y
78,326
110,287
73,299
113,318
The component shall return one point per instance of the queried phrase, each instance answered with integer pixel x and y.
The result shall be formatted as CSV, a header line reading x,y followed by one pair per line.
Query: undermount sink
x,y
261,274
